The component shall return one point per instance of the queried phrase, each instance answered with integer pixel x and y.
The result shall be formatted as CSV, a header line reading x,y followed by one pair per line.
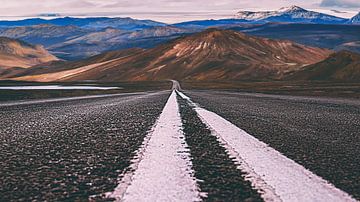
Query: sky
x,y
166,10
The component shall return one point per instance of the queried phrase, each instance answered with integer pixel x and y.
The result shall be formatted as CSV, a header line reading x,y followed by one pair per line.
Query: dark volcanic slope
x,y
210,55
341,66
320,134
71,150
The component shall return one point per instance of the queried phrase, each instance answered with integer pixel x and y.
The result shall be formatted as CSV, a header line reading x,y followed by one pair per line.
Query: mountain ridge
x,y
90,22
210,55
289,14
355,19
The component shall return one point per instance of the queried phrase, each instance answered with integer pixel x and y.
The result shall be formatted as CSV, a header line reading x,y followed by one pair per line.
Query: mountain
x,y
204,24
341,66
290,14
55,70
44,34
16,53
163,31
123,24
97,36
336,37
210,55
110,39
355,19
74,43
92,23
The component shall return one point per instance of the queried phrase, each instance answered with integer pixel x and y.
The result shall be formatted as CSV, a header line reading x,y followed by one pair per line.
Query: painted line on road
x,y
277,177
9,104
162,169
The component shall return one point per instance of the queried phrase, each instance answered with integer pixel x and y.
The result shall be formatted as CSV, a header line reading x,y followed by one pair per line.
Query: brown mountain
x,y
340,66
209,55
59,70
16,53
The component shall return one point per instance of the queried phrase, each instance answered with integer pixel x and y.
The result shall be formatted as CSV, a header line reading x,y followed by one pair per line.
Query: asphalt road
x,y
220,178
323,135
96,147
71,149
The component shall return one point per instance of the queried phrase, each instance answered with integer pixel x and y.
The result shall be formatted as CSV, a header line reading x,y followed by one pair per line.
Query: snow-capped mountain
x,y
355,19
290,14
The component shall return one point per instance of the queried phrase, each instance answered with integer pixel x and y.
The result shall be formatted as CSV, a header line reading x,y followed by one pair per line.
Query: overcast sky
x,y
167,10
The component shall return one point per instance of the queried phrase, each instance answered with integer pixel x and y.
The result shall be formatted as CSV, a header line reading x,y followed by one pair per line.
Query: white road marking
x,y
176,85
57,87
41,101
277,177
162,169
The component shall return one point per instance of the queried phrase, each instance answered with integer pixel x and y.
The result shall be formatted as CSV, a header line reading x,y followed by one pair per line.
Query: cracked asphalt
x,y
74,149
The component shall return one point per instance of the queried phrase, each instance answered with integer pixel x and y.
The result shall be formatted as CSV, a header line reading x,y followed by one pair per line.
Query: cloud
x,y
341,3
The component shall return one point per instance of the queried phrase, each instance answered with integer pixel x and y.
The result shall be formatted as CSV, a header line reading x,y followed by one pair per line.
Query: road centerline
x,y
162,168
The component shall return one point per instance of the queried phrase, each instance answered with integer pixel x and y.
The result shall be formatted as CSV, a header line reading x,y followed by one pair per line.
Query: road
x,y
72,149
320,134
180,145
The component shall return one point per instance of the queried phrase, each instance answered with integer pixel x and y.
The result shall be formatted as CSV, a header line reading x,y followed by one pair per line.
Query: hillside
x,y
56,69
16,53
45,34
341,66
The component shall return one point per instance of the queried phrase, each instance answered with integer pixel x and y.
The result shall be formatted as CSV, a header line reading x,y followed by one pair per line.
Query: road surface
x,y
180,145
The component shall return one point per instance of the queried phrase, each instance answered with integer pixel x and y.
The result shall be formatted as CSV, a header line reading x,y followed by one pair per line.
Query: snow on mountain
x,y
355,19
289,14
250,15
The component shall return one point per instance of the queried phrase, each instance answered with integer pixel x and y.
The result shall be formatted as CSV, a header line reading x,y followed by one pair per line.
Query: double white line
x,y
163,168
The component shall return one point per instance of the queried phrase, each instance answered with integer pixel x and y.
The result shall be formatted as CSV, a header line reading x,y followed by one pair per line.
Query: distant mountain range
x,y
72,42
109,39
91,23
335,37
78,38
210,55
293,14
282,44
355,19
44,34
